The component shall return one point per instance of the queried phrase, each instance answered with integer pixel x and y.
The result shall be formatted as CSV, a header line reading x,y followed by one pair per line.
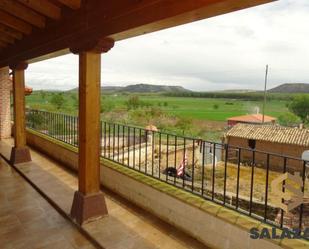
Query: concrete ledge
x,y
208,222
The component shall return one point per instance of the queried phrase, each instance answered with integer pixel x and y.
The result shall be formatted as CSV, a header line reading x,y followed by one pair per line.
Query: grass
x,y
195,108
203,108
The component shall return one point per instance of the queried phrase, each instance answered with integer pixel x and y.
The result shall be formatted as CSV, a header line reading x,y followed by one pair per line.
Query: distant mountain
x,y
111,88
291,88
146,88
237,91
142,88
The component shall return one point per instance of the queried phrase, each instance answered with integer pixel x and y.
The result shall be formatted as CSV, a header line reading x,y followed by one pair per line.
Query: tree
x,y
106,106
35,120
215,106
133,102
184,124
58,100
289,119
43,94
300,107
75,101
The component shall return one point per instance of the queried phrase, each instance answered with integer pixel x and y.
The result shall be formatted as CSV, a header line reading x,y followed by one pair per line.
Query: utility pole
x,y
265,88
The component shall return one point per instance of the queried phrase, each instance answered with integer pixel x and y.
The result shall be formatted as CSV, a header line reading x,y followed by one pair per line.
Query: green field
x,y
191,116
203,108
195,108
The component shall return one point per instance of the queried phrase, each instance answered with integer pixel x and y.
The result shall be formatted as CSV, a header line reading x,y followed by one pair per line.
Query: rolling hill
x,y
291,88
142,88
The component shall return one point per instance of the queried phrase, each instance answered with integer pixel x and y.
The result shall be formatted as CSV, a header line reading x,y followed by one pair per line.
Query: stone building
x,y
277,140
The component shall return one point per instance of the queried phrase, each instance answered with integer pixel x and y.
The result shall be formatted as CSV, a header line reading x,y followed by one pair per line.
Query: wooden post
x,y
20,153
89,202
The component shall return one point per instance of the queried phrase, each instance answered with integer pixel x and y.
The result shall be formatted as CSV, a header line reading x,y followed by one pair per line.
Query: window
x,y
251,143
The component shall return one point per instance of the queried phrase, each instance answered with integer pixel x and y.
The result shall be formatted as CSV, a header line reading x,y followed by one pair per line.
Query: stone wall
x,y
5,113
276,162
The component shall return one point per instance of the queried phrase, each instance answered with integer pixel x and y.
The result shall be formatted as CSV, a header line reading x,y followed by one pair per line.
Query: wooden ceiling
x,y
20,18
32,30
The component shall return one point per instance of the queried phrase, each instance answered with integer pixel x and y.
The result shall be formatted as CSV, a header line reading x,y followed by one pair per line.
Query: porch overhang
x,y
49,29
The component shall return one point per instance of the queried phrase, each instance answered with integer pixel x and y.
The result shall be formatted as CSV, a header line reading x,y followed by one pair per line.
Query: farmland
x,y
207,109
192,116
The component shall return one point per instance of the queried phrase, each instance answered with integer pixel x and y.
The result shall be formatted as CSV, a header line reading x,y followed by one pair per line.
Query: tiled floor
x,y
126,226
27,220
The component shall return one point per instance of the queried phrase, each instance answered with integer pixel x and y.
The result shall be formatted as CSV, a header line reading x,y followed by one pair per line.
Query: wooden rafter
x,y
6,38
3,43
73,4
4,30
18,10
14,23
119,20
44,7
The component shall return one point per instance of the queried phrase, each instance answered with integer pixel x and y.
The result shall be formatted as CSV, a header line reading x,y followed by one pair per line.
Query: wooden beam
x,y
73,4
6,38
16,9
44,7
20,153
161,15
3,43
11,32
14,23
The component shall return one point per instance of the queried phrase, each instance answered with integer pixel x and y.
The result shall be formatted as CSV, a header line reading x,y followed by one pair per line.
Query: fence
x,y
214,171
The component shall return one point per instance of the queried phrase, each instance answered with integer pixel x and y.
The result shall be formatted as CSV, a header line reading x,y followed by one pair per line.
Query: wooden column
x,y
89,202
20,153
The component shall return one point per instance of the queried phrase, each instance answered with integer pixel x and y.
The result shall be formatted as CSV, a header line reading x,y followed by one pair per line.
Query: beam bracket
x,y
95,45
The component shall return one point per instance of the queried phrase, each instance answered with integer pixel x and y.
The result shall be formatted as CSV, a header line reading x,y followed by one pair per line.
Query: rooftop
x,y
252,118
270,133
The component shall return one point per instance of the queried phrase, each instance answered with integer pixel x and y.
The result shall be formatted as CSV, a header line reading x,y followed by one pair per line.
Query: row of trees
x,y
300,107
299,112
253,96
58,100
134,103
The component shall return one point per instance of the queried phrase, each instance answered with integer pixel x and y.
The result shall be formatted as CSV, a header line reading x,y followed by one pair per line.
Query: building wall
x,y
232,123
5,115
276,162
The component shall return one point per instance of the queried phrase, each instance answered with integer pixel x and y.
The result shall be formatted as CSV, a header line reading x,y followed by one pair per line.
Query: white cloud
x,y
224,52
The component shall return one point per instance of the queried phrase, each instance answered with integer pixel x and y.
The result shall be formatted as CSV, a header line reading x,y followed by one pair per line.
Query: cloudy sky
x,y
224,52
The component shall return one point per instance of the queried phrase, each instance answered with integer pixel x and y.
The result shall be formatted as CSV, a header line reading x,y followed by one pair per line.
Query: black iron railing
x,y
238,178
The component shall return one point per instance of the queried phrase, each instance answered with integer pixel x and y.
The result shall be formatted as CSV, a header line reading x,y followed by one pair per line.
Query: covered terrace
x,y
32,31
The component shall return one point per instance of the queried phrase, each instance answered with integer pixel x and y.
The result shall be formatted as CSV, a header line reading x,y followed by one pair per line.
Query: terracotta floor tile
x,y
63,244
40,226
27,220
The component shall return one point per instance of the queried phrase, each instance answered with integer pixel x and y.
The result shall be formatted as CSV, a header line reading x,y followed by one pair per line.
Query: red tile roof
x,y
252,118
270,133
28,90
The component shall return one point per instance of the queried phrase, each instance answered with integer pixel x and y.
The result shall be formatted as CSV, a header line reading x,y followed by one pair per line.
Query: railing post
x,y
89,202
20,153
